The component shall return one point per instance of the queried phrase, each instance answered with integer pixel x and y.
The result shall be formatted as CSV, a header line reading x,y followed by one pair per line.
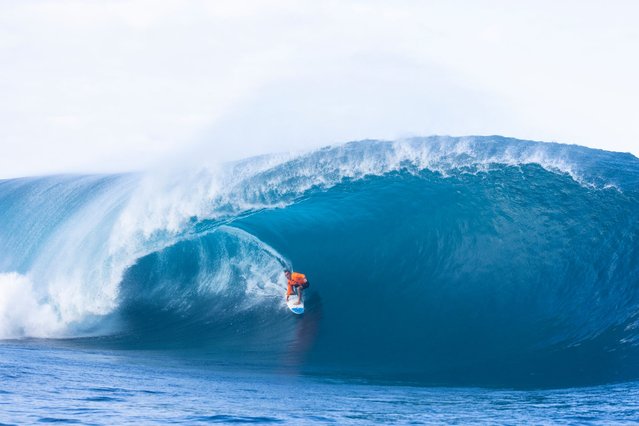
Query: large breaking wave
x,y
464,260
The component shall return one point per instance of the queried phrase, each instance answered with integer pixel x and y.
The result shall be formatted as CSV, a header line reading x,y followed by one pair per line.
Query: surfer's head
x,y
287,273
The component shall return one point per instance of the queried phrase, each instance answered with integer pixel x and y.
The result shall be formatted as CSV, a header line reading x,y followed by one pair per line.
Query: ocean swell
x,y
432,259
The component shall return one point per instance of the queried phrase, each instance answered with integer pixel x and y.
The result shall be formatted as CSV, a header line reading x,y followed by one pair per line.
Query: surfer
x,y
297,280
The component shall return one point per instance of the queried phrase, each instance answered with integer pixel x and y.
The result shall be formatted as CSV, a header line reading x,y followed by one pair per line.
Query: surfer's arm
x,y
289,290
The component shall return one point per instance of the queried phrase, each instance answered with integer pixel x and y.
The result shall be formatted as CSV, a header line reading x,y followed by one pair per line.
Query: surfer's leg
x,y
299,294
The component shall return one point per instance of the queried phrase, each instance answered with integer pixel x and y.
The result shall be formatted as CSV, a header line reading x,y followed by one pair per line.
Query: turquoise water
x,y
452,279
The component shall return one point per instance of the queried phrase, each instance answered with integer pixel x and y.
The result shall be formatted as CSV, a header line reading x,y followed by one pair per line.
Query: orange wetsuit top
x,y
295,280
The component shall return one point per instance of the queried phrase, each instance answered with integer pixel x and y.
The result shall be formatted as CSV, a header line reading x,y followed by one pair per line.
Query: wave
x,y
436,259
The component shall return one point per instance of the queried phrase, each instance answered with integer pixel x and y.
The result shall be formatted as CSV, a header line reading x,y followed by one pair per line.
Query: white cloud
x,y
95,85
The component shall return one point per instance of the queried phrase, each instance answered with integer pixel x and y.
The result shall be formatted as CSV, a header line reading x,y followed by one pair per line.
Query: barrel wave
x,y
440,260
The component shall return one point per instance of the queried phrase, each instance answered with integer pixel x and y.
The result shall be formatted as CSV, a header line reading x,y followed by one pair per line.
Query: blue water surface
x,y
44,383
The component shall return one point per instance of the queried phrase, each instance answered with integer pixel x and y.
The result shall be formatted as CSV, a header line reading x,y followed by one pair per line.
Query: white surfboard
x,y
296,309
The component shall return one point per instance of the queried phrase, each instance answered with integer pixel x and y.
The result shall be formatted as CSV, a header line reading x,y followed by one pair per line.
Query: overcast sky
x,y
117,85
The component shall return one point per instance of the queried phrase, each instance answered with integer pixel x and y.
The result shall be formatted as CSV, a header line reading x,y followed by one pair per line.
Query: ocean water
x,y
475,279
43,383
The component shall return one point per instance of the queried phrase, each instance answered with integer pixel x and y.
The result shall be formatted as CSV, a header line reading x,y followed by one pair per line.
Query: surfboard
x,y
296,309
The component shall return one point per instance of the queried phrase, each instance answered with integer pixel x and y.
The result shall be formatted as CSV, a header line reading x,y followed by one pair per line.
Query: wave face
x,y
477,260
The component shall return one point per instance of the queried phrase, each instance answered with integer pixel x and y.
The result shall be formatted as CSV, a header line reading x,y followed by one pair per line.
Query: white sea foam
x,y
23,312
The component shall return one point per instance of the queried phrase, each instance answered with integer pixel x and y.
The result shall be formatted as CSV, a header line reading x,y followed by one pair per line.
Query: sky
x,y
104,86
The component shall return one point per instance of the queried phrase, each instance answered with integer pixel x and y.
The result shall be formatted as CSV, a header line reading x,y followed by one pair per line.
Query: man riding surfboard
x,y
297,280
